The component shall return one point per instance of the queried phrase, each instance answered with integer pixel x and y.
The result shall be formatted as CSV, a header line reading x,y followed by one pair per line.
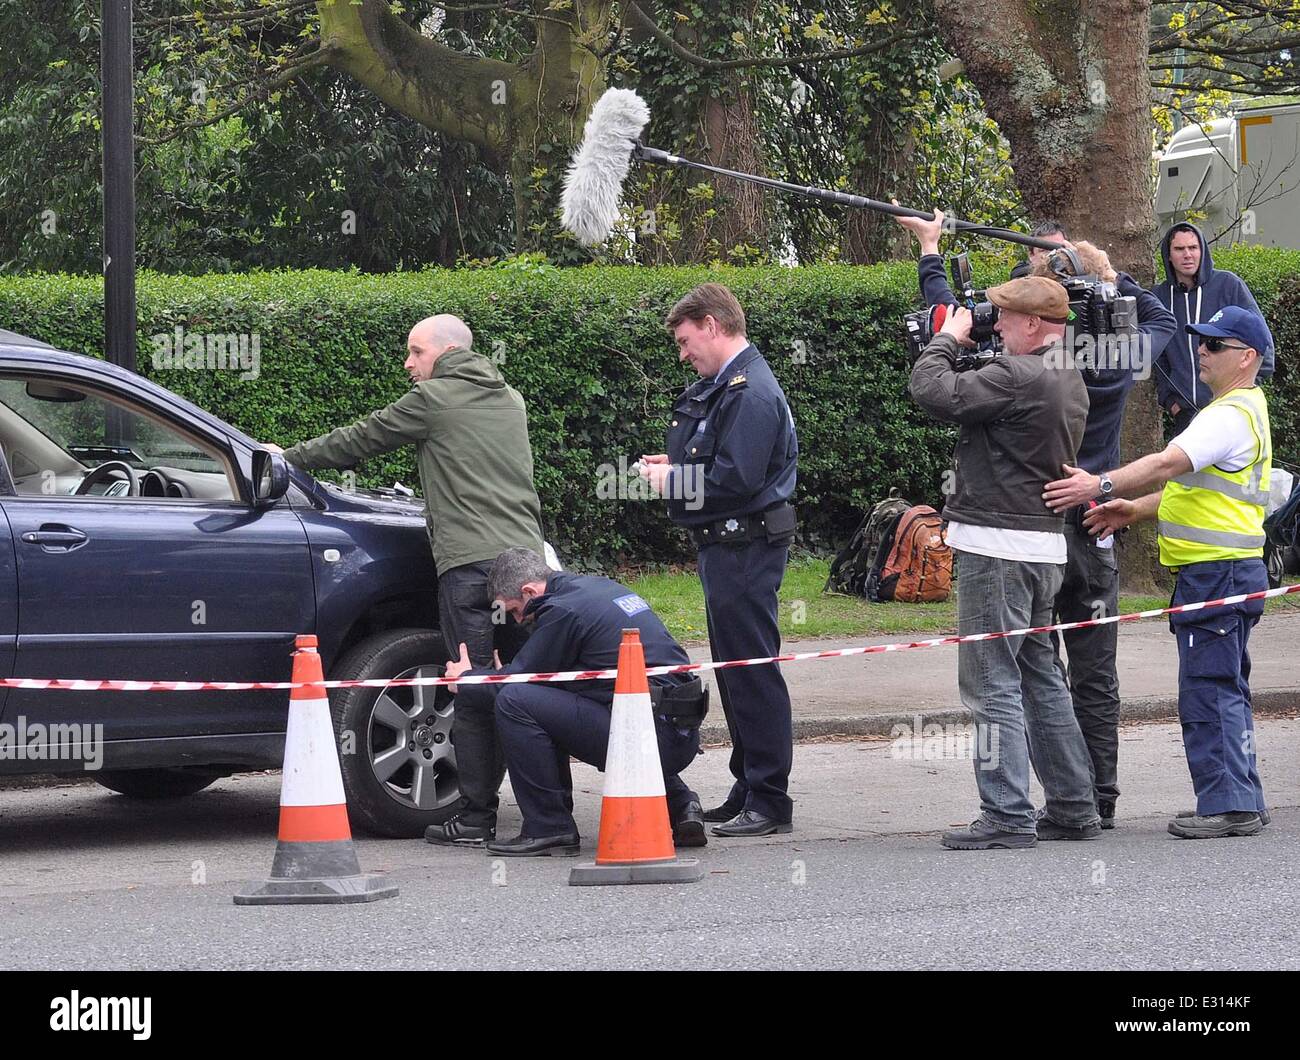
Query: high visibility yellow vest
x,y
1215,514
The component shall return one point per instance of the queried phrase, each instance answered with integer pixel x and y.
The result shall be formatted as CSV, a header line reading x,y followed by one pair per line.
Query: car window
x,y
56,436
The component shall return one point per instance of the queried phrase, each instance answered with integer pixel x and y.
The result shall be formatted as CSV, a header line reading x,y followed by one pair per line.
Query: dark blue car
x,y
142,538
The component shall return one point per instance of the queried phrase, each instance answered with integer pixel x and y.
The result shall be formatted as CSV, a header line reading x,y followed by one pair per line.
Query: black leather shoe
x,y
526,846
1106,808
725,812
688,829
456,833
749,823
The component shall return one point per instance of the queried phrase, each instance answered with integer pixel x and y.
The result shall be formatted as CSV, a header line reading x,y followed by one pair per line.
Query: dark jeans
x,y
1090,589
1214,684
1018,697
740,587
465,614
542,726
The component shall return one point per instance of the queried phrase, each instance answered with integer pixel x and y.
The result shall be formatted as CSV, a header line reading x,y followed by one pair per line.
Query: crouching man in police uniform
x,y
728,477
1211,531
578,624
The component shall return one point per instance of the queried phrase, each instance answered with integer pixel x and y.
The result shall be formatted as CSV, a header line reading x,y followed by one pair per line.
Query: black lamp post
x,y
116,72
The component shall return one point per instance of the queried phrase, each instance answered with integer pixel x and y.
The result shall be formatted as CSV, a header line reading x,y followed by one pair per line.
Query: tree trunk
x,y
886,153
1069,87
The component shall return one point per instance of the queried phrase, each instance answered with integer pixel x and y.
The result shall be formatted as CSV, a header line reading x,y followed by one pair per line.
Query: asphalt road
x,y
91,880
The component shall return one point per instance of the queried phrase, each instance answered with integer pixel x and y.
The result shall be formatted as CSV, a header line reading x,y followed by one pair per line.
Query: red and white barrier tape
x,y
69,685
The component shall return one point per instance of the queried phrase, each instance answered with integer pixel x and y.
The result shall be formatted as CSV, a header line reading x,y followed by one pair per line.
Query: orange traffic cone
x,y
636,839
315,861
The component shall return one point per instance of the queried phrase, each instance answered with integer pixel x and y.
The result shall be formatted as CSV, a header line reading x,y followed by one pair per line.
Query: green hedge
x,y
586,348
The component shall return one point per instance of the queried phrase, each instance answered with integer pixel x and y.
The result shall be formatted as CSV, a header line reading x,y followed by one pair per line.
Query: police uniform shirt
x,y
733,444
578,624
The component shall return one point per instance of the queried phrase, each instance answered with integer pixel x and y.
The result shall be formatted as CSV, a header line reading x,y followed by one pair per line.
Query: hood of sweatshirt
x,y
460,363
1206,270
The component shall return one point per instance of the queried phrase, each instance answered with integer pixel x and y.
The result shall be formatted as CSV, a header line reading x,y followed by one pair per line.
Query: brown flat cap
x,y
1035,296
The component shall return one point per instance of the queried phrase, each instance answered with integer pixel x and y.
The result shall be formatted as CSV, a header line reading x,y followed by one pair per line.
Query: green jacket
x,y
470,431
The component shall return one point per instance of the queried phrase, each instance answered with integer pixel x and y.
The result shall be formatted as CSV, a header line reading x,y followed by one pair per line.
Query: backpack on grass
x,y
913,563
852,566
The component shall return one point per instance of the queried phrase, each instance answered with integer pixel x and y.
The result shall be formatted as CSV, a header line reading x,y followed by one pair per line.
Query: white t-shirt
x,y
1023,546
1220,435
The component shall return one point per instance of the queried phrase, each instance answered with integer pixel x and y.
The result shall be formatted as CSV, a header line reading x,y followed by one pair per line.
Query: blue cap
x,y
1234,322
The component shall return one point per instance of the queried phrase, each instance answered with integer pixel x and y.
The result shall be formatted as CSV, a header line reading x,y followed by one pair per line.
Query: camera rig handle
x,y
839,198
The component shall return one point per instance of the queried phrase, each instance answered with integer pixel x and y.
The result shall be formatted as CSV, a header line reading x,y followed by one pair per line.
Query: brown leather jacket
x,y
1021,418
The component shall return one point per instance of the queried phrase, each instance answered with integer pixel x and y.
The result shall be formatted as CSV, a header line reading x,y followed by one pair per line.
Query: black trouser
x,y
541,726
740,586
465,613
1090,589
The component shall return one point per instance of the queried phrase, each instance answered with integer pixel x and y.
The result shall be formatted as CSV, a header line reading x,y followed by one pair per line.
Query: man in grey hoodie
x,y
1193,290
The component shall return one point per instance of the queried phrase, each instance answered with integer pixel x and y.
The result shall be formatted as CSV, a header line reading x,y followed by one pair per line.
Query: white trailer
x,y
1237,178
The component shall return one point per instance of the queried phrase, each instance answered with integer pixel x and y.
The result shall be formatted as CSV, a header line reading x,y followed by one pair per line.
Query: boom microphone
x,y
595,179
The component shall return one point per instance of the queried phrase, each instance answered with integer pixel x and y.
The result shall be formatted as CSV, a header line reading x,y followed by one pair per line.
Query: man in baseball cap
x,y
1209,493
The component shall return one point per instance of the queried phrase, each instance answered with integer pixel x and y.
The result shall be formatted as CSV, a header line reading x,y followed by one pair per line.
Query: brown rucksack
x,y
916,566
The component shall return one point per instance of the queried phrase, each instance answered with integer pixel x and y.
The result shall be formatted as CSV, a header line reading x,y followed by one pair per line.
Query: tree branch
x,y
285,75
668,41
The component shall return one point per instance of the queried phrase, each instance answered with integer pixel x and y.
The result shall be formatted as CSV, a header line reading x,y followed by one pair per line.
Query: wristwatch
x,y
1107,486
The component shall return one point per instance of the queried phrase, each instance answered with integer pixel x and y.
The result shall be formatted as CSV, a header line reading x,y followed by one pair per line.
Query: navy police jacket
x,y
732,443
578,624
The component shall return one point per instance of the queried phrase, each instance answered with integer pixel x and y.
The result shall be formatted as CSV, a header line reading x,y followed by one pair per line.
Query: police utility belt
x,y
683,705
775,526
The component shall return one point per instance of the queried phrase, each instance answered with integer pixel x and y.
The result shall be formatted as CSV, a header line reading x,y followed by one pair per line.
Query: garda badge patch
x,y
736,380
632,604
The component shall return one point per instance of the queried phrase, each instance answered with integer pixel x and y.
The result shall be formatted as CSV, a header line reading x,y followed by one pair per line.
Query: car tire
x,y
395,749
157,783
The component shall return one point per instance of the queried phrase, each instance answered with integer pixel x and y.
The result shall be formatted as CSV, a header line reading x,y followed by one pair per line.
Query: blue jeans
x,y
1214,684
1018,697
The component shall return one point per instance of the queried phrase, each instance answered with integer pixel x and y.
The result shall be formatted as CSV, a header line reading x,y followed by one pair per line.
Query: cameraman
x,y
1091,571
1016,415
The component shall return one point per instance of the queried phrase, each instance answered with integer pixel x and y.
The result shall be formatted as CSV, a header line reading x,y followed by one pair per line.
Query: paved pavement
x,y
869,694
93,880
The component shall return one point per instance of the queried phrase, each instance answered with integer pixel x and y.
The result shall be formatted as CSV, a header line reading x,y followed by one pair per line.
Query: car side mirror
x,y
270,477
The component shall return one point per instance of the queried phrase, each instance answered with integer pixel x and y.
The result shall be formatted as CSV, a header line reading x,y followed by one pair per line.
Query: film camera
x,y
1097,311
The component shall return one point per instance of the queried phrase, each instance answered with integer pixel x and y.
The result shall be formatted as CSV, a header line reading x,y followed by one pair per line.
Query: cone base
x,y
676,870
342,890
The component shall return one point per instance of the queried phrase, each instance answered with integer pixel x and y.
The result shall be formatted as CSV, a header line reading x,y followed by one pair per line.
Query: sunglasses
x,y
1218,345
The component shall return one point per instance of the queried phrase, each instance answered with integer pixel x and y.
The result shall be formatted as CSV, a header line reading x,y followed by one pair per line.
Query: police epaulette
x,y
737,380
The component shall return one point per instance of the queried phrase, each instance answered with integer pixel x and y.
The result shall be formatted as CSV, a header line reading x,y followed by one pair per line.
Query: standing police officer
x,y
1210,516
578,622
728,477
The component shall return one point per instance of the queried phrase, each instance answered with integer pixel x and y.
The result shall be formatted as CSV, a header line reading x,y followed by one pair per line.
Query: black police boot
x,y
688,829
523,846
725,812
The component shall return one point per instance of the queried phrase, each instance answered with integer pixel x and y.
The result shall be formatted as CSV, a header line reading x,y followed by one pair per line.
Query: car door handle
x,y
56,538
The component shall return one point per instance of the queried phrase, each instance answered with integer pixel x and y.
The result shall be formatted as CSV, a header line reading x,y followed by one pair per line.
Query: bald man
x,y
470,432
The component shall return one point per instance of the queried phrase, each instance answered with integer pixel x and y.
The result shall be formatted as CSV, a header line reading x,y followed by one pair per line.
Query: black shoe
x,y
983,836
688,829
1216,826
1106,808
526,846
456,833
725,812
1049,829
749,823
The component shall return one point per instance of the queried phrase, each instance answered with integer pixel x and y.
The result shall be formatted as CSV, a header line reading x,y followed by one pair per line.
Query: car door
x,y
190,583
